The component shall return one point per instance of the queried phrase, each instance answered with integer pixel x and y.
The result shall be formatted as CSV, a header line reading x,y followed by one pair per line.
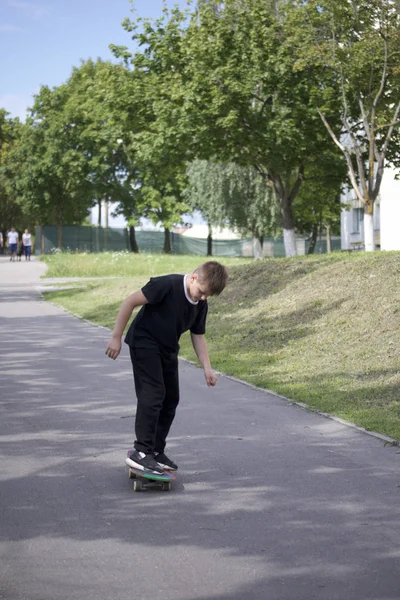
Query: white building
x,y
145,224
107,207
386,217
390,211
200,230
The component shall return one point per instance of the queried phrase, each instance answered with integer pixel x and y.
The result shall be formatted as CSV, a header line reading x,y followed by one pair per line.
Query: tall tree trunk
x,y
257,248
209,240
59,236
328,239
106,225
289,236
132,240
314,237
98,248
369,240
98,239
167,241
285,195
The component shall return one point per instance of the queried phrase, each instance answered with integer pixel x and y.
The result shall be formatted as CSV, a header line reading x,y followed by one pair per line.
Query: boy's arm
x,y
200,347
133,301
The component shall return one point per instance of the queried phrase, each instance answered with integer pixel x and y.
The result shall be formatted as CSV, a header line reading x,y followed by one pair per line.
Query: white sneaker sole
x,y
135,465
166,467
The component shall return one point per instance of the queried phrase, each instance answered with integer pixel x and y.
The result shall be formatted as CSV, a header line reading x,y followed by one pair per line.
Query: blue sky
x,y
41,40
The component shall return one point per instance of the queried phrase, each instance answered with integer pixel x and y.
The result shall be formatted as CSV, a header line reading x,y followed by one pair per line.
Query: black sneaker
x,y
142,461
165,462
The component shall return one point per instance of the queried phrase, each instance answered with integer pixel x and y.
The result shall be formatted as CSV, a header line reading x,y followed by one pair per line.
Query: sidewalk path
x,y
270,503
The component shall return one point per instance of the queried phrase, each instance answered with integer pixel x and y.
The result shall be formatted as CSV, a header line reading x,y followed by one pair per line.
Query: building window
x,y
358,218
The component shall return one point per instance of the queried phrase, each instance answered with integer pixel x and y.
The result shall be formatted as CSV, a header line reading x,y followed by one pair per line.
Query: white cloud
x,y
10,28
30,10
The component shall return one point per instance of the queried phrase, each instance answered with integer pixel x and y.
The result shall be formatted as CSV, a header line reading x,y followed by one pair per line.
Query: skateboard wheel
x,y
167,486
137,486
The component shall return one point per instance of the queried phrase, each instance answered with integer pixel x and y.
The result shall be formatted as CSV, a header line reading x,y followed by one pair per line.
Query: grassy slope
x,y
321,330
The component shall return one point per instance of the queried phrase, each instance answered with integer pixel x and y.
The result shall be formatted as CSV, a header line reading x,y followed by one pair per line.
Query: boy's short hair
x,y
214,275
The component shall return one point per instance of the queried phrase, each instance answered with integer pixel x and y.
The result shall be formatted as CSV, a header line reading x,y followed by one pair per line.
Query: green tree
x,y
101,105
358,45
245,103
156,144
227,194
53,179
205,193
317,206
11,211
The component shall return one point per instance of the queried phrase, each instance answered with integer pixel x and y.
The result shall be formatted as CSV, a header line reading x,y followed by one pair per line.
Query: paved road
x,y
271,502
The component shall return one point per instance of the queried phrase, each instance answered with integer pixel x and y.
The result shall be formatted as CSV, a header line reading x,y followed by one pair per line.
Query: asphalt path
x,y
271,502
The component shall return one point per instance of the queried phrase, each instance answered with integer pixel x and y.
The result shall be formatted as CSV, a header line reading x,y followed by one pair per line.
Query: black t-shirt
x,y
169,313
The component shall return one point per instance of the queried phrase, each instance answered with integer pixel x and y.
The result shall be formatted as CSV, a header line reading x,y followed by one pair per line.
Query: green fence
x,y
99,239
187,245
321,245
81,239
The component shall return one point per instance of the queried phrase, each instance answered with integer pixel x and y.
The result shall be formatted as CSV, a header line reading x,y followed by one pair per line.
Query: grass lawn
x,y
124,264
322,330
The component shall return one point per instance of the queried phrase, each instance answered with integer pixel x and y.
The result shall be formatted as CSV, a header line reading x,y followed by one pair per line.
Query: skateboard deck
x,y
143,481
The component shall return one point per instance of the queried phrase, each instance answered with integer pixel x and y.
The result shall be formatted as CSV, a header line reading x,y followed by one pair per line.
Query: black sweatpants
x,y
157,391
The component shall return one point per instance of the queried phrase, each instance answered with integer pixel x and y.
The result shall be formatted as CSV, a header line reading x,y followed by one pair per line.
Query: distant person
x,y
27,242
12,237
1,242
170,305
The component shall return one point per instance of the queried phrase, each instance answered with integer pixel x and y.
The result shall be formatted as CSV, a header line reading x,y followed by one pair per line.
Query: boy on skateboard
x,y
171,305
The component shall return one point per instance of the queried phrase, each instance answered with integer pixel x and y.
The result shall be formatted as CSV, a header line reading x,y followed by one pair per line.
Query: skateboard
x,y
149,481
143,481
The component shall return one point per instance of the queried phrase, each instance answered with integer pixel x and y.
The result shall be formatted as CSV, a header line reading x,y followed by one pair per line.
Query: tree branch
x,y
388,125
298,182
346,153
367,128
352,176
344,95
390,131
383,81
378,179
330,130
361,172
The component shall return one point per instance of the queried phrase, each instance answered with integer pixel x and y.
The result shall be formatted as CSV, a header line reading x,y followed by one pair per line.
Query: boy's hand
x,y
113,348
211,377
